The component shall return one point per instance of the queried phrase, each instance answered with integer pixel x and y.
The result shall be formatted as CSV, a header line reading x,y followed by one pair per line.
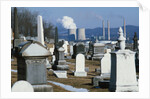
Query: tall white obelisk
x,y
40,29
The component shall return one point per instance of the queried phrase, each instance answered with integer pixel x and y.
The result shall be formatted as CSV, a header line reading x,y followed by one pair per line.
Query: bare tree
x,y
27,23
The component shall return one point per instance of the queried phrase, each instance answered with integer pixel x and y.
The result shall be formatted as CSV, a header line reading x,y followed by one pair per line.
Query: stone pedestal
x,y
61,63
32,64
42,88
123,74
98,51
80,66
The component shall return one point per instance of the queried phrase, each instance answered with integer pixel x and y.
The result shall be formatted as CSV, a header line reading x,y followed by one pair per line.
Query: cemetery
x,y
74,65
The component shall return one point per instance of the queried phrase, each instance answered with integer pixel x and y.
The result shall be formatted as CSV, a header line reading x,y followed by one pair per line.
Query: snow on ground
x,y
69,88
14,70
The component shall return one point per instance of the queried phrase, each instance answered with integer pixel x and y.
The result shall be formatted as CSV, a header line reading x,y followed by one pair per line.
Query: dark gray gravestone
x,y
78,48
61,63
135,48
90,47
135,42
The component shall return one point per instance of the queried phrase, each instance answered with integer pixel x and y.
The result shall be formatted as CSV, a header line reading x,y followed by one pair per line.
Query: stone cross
x,y
80,65
40,29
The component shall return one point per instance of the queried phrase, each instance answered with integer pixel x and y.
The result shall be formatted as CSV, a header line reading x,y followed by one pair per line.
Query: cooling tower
x,y
72,32
81,34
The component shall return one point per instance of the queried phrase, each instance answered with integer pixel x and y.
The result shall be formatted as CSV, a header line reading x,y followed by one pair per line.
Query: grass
x,y
78,82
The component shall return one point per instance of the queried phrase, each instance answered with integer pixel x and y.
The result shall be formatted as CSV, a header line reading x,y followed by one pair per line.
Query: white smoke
x,y
67,22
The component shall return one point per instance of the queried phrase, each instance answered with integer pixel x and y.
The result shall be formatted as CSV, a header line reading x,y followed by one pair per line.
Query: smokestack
x,y
108,30
124,28
103,30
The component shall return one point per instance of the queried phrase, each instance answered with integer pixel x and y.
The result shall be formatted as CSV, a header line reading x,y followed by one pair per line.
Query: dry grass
x,y
78,82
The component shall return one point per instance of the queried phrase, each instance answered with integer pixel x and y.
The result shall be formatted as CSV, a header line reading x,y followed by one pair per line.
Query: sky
x,y
90,17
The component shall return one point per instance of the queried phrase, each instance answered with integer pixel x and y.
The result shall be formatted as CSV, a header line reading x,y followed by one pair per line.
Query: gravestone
x,y
106,63
48,65
53,59
98,51
80,66
61,74
22,86
104,77
71,50
136,49
32,63
61,63
90,47
65,46
123,74
78,48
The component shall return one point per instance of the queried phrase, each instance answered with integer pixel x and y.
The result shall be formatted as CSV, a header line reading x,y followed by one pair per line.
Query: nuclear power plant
x,y
72,34
81,34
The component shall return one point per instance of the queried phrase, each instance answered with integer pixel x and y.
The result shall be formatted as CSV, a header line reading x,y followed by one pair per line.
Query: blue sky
x,y
91,17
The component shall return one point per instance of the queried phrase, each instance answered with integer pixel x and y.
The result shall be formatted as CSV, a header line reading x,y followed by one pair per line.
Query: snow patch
x,y
68,87
14,70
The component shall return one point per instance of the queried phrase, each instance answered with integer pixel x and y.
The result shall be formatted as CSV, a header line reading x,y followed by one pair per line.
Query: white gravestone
x,y
123,73
106,63
61,74
51,51
65,46
71,50
48,65
53,59
22,86
80,66
40,29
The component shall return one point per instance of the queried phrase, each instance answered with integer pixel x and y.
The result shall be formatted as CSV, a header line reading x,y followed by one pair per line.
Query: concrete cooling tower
x,y
81,34
72,34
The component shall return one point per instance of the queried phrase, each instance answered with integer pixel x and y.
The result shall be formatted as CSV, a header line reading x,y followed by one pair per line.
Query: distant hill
x,y
130,29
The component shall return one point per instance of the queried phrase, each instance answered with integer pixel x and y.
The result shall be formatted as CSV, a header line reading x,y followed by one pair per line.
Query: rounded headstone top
x,y
61,49
107,50
22,86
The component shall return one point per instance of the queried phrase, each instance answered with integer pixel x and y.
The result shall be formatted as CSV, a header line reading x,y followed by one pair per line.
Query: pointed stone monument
x,y
40,29
123,74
